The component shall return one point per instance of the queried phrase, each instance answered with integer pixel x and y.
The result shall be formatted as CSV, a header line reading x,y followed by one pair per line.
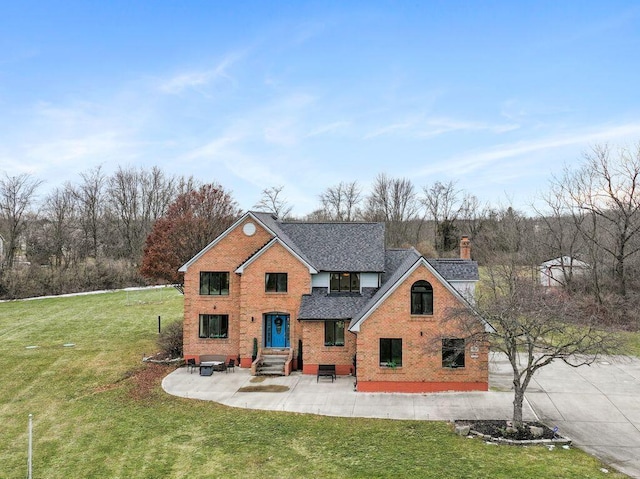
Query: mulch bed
x,y
144,381
500,429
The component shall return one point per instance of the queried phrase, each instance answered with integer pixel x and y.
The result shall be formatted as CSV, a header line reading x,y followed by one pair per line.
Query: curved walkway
x,y
598,407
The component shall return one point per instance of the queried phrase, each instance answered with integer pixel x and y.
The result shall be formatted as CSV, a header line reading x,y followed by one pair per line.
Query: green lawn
x,y
94,417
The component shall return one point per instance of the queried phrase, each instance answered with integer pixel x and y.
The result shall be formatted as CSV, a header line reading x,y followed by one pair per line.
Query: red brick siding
x,y
226,255
421,344
255,301
315,352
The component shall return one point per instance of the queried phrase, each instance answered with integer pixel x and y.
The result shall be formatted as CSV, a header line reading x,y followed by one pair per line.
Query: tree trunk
x,y
518,399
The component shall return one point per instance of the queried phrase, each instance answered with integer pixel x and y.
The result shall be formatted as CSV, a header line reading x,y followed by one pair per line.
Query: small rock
x,y
511,430
536,431
566,446
606,471
463,430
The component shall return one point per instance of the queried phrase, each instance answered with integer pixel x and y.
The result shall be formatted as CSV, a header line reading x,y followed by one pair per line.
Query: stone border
x,y
167,362
561,441
465,430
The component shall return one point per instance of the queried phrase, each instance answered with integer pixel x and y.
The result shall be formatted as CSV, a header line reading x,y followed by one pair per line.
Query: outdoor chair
x,y
191,365
232,365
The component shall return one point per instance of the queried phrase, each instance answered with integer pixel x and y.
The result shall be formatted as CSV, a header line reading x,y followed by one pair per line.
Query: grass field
x,y
99,412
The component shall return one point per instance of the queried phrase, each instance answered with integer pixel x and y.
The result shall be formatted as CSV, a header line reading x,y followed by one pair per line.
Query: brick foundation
x,y
418,387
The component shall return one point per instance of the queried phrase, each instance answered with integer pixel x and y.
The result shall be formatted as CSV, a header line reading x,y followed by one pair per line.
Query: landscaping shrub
x,y
170,340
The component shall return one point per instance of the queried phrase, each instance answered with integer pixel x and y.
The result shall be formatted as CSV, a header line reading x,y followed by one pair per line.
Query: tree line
x,y
116,230
84,235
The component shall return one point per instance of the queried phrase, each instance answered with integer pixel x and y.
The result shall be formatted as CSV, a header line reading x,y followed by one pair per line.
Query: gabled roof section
x,y
340,246
409,264
456,269
249,214
259,253
272,224
356,247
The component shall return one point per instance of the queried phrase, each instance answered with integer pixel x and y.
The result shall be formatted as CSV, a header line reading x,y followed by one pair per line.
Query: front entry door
x,y
276,330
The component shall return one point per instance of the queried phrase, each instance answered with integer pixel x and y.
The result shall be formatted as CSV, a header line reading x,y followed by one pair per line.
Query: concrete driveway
x,y
597,406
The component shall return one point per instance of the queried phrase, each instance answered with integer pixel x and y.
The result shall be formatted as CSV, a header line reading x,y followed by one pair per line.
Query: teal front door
x,y
276,330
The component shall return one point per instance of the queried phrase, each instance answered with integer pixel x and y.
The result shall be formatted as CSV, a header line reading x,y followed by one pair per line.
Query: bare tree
x,y
558,233
89,196
442,201
16,196
394,201
533,326
606,188
59,227
340,202
473,215
272,202
137,198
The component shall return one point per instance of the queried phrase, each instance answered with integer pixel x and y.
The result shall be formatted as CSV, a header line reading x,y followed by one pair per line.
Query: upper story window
x,y
345,282
214,283
275,282
421,298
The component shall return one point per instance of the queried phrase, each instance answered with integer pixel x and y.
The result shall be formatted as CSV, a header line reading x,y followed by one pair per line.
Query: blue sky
x,y
497,96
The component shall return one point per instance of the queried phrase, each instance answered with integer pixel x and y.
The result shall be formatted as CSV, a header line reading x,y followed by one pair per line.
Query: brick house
x,y
330,293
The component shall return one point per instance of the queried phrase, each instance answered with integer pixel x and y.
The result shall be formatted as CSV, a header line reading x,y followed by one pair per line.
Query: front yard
x,y
100,412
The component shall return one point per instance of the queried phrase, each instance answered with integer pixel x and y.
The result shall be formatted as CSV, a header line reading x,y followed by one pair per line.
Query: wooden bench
x,y
326,370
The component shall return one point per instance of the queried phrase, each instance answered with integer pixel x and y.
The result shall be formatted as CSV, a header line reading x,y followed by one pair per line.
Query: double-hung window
x,y
275,282
214,326
391,352
453,353
214,283
334,333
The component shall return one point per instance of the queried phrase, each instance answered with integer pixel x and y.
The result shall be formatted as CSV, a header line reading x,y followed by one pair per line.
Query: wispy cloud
x,y
199,78
439,126
328,128
391,128
474,161
308,30
214,150
419,127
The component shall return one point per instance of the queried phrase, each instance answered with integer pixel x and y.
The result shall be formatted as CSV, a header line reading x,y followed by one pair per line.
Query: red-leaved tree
x,y
192,221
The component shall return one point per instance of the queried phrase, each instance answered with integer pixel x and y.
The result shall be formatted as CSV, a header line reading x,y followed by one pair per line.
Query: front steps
x,y
272,364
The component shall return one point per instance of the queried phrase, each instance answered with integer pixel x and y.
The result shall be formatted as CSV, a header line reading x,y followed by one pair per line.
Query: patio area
x,y
307,395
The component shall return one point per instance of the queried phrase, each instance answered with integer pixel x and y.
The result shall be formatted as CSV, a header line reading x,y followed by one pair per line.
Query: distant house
x,y
559,271
331,294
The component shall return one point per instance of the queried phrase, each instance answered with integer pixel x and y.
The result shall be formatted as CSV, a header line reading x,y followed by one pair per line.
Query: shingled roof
x,y
320,305
340,246
454,269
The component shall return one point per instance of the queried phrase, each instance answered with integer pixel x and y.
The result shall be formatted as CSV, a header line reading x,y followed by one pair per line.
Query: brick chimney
x,y
465,248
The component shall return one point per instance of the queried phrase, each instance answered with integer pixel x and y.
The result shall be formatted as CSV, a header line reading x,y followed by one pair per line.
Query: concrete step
x,y
273,359
272,364
270,371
